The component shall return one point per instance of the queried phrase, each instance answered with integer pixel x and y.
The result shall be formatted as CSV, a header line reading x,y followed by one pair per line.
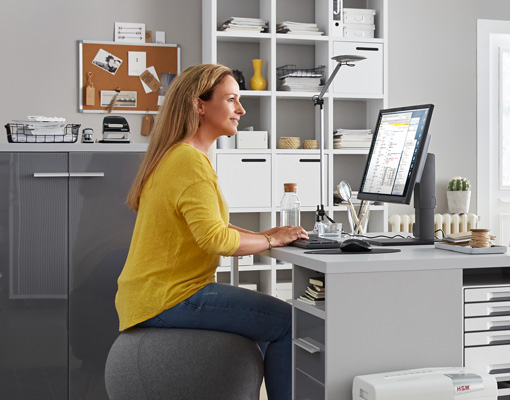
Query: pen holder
x,y
358,220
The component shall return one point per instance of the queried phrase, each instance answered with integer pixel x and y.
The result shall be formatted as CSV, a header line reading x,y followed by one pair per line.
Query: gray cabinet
x,y
64,235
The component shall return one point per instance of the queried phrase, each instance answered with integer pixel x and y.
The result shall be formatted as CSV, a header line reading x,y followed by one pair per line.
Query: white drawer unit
x,y
301,169
245,179
366,77
487,330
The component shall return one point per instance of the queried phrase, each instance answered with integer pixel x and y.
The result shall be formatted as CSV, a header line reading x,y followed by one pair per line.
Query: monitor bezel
x,y
420,159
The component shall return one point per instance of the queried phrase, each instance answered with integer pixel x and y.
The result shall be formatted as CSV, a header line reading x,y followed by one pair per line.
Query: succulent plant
x,y
457,183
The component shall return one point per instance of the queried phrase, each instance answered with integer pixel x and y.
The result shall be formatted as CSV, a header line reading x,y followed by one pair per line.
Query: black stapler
x,y
115,130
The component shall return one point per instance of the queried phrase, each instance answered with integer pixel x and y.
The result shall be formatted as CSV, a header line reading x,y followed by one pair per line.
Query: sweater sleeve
x,y
200,207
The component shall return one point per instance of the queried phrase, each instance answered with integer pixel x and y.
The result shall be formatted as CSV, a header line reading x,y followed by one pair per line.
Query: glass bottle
x,y
290,206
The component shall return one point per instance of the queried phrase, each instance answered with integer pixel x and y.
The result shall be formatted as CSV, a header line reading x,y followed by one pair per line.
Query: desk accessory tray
x,y
471,250
21,133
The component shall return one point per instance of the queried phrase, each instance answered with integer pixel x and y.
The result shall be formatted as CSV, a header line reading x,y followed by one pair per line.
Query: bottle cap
x,y
290,187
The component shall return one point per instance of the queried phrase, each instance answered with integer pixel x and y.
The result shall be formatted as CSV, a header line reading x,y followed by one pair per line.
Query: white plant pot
x,y
458,201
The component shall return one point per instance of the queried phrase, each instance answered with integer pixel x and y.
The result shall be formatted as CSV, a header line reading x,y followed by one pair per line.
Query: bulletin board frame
x,y
163,57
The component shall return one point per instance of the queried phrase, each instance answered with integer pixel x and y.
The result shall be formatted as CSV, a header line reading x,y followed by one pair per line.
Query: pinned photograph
x,y
107,61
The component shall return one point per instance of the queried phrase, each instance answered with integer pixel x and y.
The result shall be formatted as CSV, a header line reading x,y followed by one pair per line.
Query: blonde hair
x,y
178,118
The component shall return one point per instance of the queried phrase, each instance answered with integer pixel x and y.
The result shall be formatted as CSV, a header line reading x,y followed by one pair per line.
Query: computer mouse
x,y
355,246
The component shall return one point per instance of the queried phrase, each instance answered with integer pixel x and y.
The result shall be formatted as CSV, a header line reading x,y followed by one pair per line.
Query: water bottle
x,y
290,207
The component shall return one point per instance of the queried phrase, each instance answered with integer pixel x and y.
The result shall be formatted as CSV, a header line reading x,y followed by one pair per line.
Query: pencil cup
x,y
330,231
362,216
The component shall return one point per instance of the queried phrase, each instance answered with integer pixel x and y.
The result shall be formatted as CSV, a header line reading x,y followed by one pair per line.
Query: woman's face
x,y
221,114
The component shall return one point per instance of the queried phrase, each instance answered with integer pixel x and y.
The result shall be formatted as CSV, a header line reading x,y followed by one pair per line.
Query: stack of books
x,y
352,139
298,28
244,25
315,293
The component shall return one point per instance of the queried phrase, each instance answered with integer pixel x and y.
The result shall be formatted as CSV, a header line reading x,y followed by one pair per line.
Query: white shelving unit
x,y
252,180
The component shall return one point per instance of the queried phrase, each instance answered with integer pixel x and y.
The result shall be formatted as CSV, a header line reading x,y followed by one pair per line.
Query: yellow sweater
x,y
181,230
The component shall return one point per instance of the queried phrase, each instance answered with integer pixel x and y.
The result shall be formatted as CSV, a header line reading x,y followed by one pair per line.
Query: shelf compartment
x,y
312,364
307,387
248,37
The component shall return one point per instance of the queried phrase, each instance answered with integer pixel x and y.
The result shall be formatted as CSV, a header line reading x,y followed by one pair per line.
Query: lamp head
x,y
345,59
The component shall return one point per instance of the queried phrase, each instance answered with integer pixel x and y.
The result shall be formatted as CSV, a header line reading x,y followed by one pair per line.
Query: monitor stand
x,y
424,207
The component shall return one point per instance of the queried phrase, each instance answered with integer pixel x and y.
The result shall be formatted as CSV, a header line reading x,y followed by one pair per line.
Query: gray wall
x,y
432,58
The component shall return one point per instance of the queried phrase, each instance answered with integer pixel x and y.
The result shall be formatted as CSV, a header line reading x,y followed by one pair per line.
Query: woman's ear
x,y
200,107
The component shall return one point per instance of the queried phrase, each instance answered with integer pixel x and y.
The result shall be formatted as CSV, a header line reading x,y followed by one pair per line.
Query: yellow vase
x,y
257,81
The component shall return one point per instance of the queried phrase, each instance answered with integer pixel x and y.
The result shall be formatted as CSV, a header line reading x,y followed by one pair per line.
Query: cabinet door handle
x,y
308,345
86,174
51,174
253,160
309,160
367,48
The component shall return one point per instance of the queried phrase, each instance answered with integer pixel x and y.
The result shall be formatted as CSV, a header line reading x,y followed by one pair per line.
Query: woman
x,y
182,228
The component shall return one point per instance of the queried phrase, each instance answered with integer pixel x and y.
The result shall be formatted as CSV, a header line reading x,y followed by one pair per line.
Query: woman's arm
x,y
253,243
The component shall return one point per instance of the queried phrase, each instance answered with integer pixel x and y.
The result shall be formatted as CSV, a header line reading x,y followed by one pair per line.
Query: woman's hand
x,y
287,234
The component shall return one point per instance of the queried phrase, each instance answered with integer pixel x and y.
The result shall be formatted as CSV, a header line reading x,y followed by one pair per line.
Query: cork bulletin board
x,y
107,67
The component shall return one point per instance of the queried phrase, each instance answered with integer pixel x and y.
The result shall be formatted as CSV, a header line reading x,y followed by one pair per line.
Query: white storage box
x,y
249,286
359,16
245,179
243,260
366,77
359,31
426,384
251,139
226,142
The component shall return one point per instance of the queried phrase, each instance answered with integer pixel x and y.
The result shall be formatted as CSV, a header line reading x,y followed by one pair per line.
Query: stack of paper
x,y
352,139
244,24
304,84
298,28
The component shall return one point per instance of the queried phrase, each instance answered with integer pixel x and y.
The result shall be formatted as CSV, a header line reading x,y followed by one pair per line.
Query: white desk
x,y
383,312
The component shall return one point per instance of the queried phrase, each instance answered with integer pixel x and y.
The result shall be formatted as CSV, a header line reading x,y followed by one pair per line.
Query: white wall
x,y
39,57
432,59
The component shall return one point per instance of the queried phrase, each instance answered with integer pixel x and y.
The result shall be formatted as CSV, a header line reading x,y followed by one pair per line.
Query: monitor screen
x,y
397,154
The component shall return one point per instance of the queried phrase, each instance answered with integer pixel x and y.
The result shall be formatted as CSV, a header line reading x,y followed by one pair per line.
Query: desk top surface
x,y
410,258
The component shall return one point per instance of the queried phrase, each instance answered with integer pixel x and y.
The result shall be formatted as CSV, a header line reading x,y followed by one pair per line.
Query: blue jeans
x,y
260,317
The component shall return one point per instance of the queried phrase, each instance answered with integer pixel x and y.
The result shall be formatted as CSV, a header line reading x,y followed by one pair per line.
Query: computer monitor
x,y
398,163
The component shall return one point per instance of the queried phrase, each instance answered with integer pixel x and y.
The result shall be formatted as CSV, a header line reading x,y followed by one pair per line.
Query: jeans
x,y
257,316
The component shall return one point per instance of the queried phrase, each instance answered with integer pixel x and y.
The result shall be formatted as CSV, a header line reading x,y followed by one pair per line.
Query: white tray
x,y
471,250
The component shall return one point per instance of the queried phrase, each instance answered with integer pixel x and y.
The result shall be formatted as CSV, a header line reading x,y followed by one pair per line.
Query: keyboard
x,y
315,242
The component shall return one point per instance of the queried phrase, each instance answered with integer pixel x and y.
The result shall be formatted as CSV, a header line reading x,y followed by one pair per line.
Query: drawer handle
x,y
309,160
86,174
367,48
499,325
51,174
499,296
499,310
253,160
499,371
308,345
500,341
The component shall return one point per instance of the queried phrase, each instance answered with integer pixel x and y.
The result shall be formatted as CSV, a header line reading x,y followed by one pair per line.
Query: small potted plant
x,y
458,195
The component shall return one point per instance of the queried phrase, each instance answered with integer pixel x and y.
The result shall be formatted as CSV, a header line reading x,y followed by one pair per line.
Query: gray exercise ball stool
x,y
159,363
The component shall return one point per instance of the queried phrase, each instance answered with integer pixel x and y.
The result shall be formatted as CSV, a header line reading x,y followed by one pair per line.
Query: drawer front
x,y
487,338
487,324
486,309
303,170
245,179
500,293
366,77
492,359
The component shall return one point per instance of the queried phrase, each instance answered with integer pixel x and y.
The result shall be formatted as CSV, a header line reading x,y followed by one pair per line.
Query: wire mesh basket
x,y
21,133
290,70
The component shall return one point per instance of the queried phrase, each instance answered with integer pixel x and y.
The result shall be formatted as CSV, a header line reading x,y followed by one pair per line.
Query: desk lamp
x,y
319,101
